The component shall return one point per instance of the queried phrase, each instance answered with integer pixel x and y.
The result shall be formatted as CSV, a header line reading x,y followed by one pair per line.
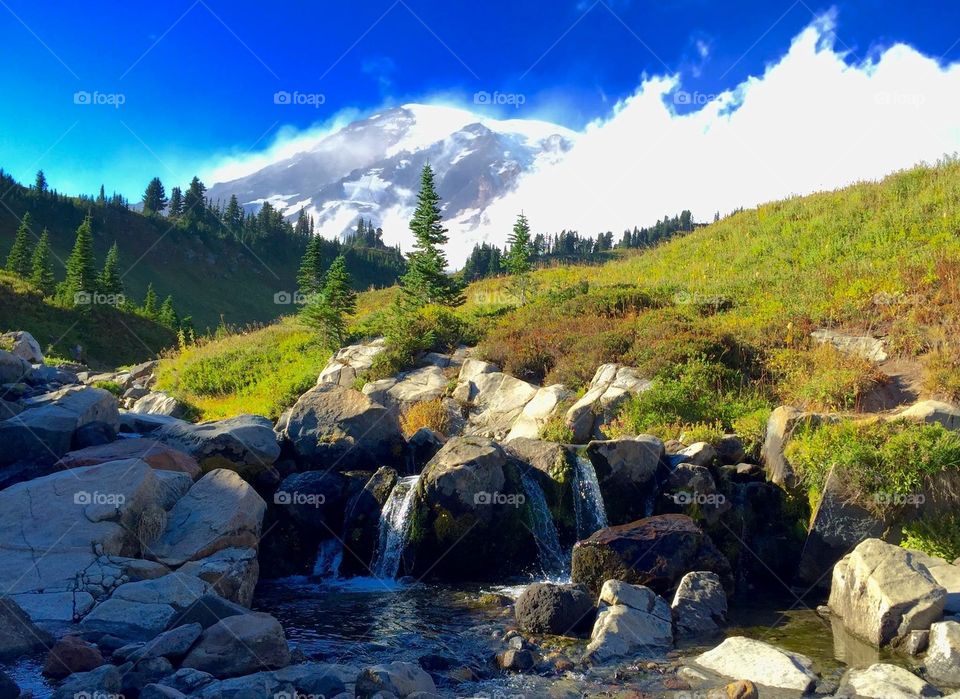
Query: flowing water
x,y
329,558
552,558
394,528
587,499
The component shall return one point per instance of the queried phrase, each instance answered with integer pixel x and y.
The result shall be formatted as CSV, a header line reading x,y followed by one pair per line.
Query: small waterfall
x,y
552,559
329,557
394,528
588,506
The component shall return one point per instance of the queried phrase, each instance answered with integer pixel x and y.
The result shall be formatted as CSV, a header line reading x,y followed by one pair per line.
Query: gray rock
x,y
747,659
19,636
178,590
159,403
407,388
627,471
233,573
610,387
700,604
240,645
915,642
187,680
103,680
699,454
173,644
869,348
780,426
245,444
544,405
132,621
159,691
632,620
349,362
207,611
24,346
943,653
884,681
13,369
561,610
495,400
932,411
399,679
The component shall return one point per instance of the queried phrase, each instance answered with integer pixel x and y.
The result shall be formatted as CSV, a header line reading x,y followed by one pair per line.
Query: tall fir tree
x,y
326,311
109,281
168,314
18,261
518,256
81,273
338,287
233,216
154,197
175,205
41,265
40,184
426,280
150,309
310,276
194,202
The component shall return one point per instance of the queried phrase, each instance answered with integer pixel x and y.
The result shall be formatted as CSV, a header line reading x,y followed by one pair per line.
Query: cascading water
x,y
394,528
588,507
329,557
552,560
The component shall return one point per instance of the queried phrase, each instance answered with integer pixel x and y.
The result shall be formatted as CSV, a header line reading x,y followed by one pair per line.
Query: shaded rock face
x,y
155,454
700,604
13,368
24,346
610,387
18,634
656,552
932,411
240,645
245,444
552,466
780,425
232,573
469,514
628,471
561,610
744,658
332,427
882,592
361,522
632,620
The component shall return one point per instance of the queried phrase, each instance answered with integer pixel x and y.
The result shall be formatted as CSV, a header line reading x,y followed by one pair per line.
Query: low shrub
x,y
937,536
941,373
428,413
822,378
112,386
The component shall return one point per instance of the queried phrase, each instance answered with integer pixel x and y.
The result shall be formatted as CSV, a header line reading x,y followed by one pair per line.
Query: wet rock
x,y
233,573
145,672
8,688
220,511
700,604
562,610
915,642
516,660
882,592
631,620
885,681
159,691
362,522
399,679
621,553
156,454
94,434
329,421
742,689
424,445
943,653
627,471
611,386
313,499
187,680
240,645
759,662
19,636
104,680
69,655
245,444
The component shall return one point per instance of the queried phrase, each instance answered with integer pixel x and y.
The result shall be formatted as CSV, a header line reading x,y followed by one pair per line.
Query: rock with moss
x,y
625,553
552,466
361,521
245,444
470,514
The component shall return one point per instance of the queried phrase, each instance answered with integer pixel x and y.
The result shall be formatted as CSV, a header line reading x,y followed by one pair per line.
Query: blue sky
x,y
197,78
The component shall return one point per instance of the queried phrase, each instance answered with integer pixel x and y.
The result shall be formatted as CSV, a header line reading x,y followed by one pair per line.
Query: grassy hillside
x,y
722,316
109,337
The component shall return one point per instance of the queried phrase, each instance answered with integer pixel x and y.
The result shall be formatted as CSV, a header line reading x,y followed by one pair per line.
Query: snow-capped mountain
x,y
371,168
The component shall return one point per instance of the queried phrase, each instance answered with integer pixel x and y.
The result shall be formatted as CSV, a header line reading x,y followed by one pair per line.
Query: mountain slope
x,y
371,168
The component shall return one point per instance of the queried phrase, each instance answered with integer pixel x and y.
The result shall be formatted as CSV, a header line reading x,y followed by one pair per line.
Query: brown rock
x,y
157,455
69,655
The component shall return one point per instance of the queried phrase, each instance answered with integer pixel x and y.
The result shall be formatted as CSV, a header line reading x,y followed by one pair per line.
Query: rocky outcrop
x,y
655,552
329,422
869,348
409,387
699,605
13,368
160,403
611,386
632,620
882,592
748,659
232,573
884,681
469,514
780,425
495,400
628,470
23,345
932,411
220,511
245,444
546,402
155,454
350,362
240,645
561,610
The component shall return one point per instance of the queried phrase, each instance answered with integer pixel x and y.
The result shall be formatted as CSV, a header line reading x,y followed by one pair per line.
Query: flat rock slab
x,y
747,659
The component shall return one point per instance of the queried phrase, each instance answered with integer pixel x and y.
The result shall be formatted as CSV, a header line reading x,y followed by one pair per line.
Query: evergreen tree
x,y
154,198
41,266
150,309
102,197
175,209
310,276
168,315
338,288
18,261
194,204
426,280
326,311
81,274
518,257
233,216
40,186
109,281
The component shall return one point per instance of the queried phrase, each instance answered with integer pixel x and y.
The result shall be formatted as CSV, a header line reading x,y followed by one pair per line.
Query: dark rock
x,y
143,673
8,688
424,445
730,449
105,679
398,679
207,611
313,499
562,610
94,434
516,660
69,655
628,471
19,636
361,522
240,645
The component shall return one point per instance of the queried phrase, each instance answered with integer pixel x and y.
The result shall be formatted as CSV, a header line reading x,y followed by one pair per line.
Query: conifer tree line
x,y
83,284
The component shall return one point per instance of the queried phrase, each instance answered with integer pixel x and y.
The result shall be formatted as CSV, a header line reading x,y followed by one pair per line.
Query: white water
x,y
588,505
552,560
329,558
394,528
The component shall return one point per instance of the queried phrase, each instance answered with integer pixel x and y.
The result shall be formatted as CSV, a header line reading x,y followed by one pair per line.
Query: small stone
x,y
516,660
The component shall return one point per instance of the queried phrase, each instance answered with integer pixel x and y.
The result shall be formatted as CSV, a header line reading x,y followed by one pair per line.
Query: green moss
x,y
112,386
936,535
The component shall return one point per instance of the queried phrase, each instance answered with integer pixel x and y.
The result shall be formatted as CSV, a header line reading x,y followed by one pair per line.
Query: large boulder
x,y
313,499
155,454
407,388
49,554
350,362
105,681
317,680
240,645
947,576
656,552
495,400
883,592
469,513
233,573
628,470
245,444
19,636
160,403
340,428
13,368
561,610
71,654
932,411
45,432
884,681
361,522
396,679
538,411
552,466
632,620
24,346
611,386
700,604
748,659
943,653
220,511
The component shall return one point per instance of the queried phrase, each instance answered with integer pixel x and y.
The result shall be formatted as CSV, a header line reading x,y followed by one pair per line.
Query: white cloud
x,y
810,122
